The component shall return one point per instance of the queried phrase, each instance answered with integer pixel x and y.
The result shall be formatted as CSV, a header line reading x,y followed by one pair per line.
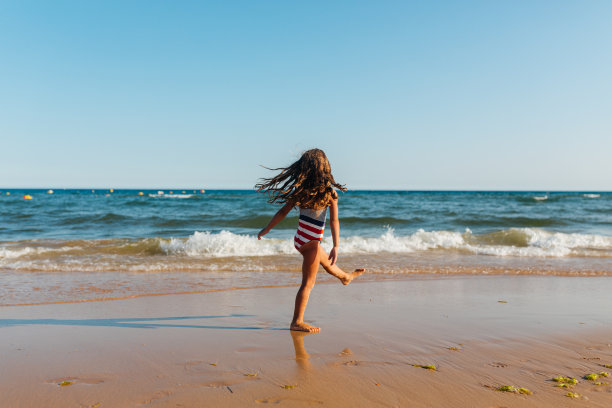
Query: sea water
x,y
79,244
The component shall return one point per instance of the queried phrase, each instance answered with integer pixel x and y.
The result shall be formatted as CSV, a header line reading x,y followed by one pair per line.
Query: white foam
x,y
591,195
419,241
162,195
14,253
186,253
540,243
7,253
226,244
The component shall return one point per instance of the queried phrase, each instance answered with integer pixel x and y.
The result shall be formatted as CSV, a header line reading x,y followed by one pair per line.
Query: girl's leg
x,y
310,266
335,270
301,356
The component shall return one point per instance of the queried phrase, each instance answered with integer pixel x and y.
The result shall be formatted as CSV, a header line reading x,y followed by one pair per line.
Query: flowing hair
x,y
308,182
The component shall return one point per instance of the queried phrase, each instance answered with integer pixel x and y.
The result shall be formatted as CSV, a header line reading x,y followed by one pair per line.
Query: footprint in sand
x,y
269,400
357,363
159,395
352,363
65,381
278,400
498,364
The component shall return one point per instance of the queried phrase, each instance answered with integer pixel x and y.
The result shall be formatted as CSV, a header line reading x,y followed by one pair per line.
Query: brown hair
x,y
308,182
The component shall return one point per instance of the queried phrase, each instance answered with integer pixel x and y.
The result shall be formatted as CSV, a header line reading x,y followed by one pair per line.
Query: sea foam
x,y
523,242
225,244
148,254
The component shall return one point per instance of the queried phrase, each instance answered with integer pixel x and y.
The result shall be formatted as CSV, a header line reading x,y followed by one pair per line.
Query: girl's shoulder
x,y
334,194
333,198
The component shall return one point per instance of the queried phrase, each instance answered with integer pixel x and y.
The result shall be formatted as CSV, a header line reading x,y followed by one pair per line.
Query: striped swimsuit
x,y
310,226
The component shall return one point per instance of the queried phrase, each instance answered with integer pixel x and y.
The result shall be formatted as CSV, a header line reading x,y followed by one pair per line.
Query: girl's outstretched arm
x,y
335,230
278,217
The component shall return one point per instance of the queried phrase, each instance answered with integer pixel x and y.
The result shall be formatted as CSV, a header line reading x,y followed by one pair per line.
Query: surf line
x,y
150,295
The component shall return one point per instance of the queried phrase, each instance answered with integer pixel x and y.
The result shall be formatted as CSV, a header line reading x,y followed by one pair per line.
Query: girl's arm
x,y
335,229
278,217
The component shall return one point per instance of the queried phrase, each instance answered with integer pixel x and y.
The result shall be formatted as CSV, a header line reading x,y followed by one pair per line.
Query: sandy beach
x,y
173,173
232,348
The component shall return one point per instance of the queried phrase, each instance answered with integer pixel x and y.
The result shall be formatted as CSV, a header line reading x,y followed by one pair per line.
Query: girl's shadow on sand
x,y
134,323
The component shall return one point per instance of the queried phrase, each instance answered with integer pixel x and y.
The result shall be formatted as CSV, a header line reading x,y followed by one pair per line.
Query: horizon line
x,y
356,189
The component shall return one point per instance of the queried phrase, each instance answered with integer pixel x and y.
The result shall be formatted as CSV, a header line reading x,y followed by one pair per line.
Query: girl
x,y
308,184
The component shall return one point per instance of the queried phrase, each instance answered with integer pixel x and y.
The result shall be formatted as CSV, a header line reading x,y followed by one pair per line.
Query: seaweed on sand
x,y
427,367
512,388
65,383
565,381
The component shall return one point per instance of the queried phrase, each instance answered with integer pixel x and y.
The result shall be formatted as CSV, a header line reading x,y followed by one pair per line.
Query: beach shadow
x,y
302,357
134,323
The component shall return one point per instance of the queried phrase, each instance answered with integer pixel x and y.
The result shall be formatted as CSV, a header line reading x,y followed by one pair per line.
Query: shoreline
x,y
44,288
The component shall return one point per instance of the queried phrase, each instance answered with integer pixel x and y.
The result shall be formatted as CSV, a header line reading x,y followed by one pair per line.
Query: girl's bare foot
x,y
305,327
350,276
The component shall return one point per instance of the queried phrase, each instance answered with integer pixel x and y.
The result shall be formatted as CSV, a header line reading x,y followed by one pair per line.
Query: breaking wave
x,y
528,242
227,251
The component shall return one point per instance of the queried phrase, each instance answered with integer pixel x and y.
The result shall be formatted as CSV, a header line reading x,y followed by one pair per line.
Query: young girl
x,y
308,184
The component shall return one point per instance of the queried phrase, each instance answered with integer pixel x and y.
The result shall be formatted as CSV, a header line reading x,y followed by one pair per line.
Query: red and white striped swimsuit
x,y
310,226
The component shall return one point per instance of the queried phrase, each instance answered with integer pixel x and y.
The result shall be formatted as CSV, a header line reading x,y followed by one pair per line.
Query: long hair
x,y
308,182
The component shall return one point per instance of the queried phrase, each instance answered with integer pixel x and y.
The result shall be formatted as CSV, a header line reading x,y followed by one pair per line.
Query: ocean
x,y
83,244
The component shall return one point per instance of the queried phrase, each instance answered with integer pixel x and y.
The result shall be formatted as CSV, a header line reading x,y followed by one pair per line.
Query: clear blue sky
x,y
400,94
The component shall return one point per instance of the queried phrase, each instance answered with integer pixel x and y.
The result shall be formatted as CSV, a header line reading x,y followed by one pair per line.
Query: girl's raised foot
x,y
305,327
350,276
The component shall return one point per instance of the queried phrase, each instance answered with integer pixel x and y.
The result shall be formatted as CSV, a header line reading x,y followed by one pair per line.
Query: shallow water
x,y
185,237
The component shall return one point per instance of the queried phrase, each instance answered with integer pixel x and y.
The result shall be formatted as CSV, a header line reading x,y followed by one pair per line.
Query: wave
x,y
532,242
540,198
511,242
104,218
225,244
16,253
257,221
517,242
509,221
163,195
521,242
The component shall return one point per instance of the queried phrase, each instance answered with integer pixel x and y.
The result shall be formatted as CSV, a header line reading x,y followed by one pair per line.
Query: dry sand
x,y
232,348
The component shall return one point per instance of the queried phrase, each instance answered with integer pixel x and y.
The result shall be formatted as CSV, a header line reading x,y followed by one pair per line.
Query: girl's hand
x,y
333,255
262,233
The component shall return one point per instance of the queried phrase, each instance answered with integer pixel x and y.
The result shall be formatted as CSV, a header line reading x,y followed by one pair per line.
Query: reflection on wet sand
x,y
301,356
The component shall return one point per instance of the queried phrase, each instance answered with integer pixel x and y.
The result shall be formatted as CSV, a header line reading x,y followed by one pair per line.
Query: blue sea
x,y
79,244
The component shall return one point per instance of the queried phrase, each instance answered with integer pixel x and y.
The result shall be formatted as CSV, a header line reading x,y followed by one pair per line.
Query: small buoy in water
x,y
8,193
93,191
111,190
171,192
183,191
141,193
27,197
49,191
201,191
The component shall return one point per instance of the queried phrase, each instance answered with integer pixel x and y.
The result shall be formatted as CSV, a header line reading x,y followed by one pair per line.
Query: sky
x,y
461,95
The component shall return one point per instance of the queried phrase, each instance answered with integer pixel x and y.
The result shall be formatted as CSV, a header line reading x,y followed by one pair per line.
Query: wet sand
x,y
232,348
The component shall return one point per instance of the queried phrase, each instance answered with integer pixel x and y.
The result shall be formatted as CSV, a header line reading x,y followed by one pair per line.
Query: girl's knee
x,y
308,285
